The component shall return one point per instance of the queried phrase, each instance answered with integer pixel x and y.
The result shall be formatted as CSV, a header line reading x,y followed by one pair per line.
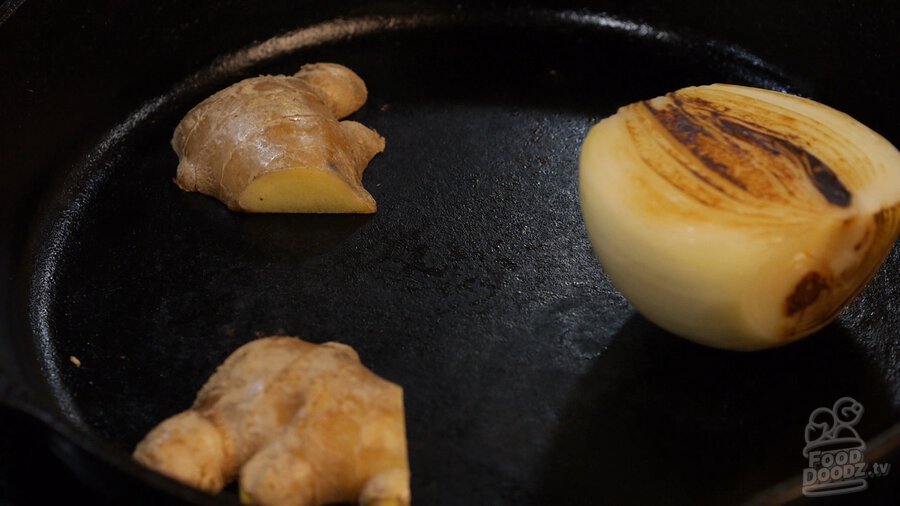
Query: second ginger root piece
x,y
274,144
300,424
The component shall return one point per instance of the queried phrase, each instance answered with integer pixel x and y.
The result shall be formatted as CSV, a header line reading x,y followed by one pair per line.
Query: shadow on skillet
x,y
624,437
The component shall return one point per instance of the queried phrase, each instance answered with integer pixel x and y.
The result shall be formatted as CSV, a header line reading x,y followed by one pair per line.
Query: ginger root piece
x,y
300,424
274,144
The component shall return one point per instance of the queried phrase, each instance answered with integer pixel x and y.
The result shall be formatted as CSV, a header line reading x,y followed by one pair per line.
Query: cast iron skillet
x,y
528,378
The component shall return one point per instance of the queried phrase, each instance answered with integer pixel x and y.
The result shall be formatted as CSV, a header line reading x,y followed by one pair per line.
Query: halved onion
x,y
738,217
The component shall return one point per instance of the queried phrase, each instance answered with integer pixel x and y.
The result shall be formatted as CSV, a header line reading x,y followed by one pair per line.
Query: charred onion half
x,y
737,217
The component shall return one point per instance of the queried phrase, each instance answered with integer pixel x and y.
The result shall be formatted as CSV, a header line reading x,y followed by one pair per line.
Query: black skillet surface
x,y
528,378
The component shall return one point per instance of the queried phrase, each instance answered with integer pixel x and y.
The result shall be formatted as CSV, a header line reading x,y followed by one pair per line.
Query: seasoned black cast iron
x,y
528,378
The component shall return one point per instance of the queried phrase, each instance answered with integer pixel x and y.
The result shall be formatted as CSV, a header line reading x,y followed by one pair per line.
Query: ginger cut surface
x,y
275,144
297,423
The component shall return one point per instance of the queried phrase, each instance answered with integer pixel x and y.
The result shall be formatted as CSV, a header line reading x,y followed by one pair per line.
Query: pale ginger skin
x,y
274,144
300,424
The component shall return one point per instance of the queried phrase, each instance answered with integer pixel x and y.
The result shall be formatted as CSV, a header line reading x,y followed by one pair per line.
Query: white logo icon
x,y
836,452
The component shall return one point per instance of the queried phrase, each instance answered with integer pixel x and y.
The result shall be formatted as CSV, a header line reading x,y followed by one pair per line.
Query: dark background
x,y
102,37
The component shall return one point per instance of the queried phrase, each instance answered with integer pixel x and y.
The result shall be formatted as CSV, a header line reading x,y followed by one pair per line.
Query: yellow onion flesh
x,y
737,217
